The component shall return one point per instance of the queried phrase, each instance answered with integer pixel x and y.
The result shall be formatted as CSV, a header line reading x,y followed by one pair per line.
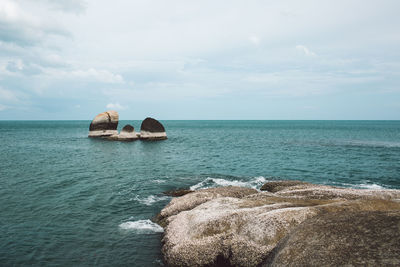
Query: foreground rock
x,y
359,238
104,124
152,129
127,134
234,226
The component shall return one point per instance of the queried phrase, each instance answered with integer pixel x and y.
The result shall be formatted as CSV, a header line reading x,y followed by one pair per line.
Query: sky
x,y
262,60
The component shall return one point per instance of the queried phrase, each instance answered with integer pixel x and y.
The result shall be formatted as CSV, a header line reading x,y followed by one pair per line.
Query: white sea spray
x,y
141,226
210,182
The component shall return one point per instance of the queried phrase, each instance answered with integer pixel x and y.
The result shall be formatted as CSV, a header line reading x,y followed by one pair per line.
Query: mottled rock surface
x,y
104,124
360,238
152,129
241,226
127,134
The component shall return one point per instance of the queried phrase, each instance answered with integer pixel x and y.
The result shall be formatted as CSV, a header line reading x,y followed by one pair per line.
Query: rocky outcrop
x,y
127,134
360,238
234,226
105,124
152,129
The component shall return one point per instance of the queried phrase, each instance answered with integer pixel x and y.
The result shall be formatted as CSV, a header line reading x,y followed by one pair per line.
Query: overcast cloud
x,y
72,59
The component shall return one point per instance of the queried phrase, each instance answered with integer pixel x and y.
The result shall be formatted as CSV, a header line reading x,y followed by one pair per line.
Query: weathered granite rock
x,y
360,238
235,226
152,129
104,124
127,134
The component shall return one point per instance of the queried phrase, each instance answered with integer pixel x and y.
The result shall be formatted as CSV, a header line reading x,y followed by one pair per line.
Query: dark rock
x,y
178,192
152,129
363,238
275,186
128,129
127,134
152,125
104,124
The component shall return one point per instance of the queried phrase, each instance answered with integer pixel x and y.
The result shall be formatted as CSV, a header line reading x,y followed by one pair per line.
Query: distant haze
x,y
72,59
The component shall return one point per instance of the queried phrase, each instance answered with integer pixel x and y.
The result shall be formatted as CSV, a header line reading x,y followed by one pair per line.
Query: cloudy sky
x,y
72,59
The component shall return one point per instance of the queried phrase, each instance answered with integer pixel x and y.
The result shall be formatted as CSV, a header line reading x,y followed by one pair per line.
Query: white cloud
x,y
115,105
255,40
305,50
98,75
20,26
18,66
7,96
74,6
3,107
88,75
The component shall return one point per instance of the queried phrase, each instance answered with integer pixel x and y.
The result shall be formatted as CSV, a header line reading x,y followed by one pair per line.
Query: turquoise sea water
x,y
67,200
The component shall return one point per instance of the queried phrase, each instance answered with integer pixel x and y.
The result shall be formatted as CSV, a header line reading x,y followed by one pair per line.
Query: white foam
x,y
159,181
371,186
216,182
150,200
362,186
142,226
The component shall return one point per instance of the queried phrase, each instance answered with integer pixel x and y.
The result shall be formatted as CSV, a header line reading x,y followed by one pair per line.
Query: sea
x,y
70,200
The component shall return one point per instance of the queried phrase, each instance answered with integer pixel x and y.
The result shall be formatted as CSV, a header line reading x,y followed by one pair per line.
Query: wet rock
x,y
152,129
241,226
104,124
349,238
127,134
178,192
275,186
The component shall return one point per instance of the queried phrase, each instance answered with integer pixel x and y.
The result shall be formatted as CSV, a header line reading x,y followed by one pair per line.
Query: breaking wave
x,y
142,226
256,183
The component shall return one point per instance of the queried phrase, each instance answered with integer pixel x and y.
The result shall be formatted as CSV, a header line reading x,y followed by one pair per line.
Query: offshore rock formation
x,y
104,124
127,134
286,225
152,129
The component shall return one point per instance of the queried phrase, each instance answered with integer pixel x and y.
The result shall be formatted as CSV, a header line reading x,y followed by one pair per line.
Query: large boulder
x,y
233,226
127,134
105,124
152,129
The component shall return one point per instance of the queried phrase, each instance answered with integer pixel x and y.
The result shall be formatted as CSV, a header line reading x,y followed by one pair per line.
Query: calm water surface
x,y
67,200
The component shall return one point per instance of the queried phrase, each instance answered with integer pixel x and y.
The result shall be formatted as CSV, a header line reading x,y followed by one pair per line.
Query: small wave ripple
x,y
370,143
150,200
